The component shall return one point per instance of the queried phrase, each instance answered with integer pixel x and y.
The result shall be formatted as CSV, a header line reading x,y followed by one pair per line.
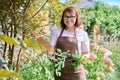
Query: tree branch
x,y
39,9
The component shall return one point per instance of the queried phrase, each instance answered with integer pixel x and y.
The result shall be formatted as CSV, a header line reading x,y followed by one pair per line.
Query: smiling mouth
x,y
68,22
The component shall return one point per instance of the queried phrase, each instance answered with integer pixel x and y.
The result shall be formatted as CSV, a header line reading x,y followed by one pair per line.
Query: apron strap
x,y
76,38
61,32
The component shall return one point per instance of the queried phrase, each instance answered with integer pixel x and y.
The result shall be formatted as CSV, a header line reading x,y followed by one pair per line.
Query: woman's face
x,y
69,19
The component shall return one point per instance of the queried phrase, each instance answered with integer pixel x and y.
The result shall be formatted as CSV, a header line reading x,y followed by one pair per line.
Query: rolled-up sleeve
x,y
85,43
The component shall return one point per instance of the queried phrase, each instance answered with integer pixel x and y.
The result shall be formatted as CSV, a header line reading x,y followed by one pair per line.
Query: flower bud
x,y
92,56
109,69
108,61
100,74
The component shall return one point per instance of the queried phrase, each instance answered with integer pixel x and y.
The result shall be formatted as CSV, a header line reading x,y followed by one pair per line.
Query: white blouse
x,y
82,38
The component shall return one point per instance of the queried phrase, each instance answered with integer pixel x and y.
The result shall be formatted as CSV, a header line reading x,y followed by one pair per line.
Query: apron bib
x,y
68,72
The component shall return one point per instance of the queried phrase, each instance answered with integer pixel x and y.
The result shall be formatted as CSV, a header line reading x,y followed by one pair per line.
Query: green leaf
x,y
9,40
59,50
6,73
2,37
32,43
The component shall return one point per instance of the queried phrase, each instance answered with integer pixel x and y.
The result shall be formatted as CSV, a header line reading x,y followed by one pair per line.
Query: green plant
x,y
60,63
106,16
116,60
38,68
43,67
96,66
78,59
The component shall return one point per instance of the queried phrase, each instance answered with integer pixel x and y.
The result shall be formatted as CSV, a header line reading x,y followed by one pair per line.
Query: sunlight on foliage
x,y
6,73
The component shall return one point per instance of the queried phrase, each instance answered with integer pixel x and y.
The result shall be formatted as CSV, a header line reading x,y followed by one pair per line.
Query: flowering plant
x,y
97,65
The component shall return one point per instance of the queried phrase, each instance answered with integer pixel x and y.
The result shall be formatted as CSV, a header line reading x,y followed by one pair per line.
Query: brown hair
x,y
71,10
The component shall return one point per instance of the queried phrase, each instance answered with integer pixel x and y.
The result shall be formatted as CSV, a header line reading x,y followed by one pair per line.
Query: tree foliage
x,y
55,10
18,19
107,16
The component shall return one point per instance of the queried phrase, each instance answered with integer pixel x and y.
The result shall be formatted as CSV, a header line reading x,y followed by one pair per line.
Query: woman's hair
x,y
70,10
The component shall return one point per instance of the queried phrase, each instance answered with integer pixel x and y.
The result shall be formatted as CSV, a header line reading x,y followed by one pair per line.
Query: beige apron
x,y
68,72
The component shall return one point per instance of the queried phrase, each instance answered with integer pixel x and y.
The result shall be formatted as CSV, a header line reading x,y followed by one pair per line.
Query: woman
x,y
70,37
